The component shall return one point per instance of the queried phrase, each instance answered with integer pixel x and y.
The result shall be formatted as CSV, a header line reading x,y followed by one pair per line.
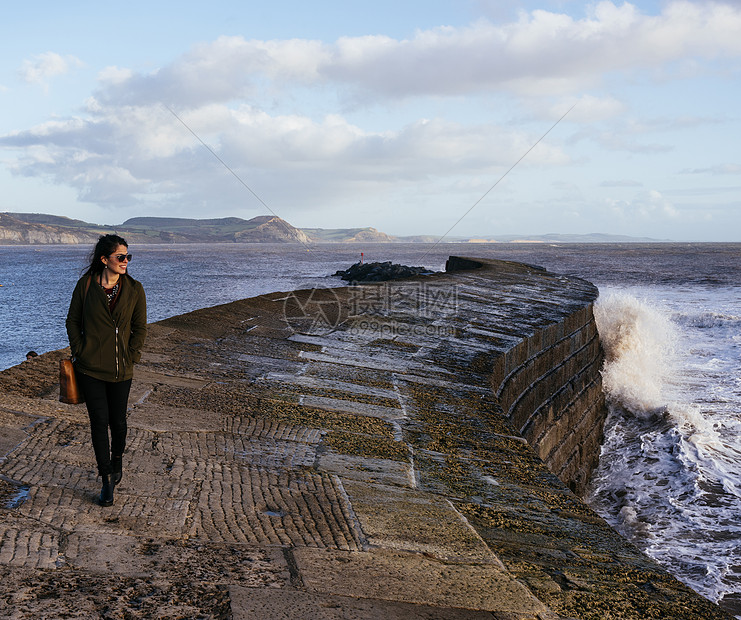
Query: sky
x,y
473,118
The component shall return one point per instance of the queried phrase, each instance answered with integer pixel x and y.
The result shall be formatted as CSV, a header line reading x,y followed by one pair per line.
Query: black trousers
x,y
106,406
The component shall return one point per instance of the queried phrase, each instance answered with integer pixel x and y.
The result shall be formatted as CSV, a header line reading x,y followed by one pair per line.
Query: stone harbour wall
x,y
550,386
405,450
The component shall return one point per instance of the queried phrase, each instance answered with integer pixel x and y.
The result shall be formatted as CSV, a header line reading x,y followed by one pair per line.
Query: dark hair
x,y
106,245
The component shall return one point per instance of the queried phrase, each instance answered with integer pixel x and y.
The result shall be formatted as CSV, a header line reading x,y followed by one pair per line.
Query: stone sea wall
x,y
550,386
400,450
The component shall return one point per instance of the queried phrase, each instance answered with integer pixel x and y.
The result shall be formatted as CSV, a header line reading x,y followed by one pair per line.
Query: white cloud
x,y
719,169
128,150
587,109
118,154
650,206
42,67
591,109
542,53
227,69
115,75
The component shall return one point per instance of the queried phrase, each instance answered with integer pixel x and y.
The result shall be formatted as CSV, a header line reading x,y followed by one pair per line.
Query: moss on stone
x,y
313,417
371,446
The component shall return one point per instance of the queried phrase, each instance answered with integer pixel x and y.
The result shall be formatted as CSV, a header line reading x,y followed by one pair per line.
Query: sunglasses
x,y
122,257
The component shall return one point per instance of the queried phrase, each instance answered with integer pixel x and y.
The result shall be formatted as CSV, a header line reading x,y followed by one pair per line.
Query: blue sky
x,y
396,115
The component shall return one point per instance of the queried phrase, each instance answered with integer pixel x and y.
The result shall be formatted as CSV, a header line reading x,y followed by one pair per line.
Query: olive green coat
x,y
106,345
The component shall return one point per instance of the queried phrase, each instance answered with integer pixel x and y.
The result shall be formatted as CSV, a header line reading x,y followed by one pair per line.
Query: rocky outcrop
x,y
370,235
270,229
379,272
348,235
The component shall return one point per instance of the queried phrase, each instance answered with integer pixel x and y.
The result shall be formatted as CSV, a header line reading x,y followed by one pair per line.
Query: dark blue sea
x,y
669,317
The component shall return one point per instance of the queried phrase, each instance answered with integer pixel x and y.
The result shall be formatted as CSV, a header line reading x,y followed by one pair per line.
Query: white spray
x,y
639,351
669,472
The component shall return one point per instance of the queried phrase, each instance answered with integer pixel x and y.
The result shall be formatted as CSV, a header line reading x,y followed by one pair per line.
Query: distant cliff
x,y
261,229
36,228
39,228
14,231
349,235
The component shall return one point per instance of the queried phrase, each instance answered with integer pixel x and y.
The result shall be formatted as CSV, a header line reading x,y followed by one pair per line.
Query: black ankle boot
x,y
117,465
106,493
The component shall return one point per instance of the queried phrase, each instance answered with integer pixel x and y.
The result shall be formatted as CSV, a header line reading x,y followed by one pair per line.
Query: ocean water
x,y
36,283
669,317
669,477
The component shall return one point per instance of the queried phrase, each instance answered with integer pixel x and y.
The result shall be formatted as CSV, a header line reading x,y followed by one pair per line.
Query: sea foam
x,y
669,477
639,343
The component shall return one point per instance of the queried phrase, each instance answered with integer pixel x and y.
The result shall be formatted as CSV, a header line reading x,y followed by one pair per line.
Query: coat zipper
x,y
116,351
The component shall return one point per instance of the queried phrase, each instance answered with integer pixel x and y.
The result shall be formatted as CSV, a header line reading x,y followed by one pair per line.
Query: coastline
x,y
407,485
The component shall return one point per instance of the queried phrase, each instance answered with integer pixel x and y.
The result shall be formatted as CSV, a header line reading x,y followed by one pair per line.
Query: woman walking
x,y
107,325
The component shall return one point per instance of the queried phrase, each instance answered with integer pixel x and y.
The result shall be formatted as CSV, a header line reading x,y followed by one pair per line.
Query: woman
x,y
107,325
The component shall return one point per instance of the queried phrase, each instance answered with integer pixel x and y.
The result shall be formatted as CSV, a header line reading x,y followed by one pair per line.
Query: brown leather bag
x,y
69,392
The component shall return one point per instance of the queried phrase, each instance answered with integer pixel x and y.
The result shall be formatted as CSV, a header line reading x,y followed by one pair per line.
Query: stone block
x,y
284,604
414,578
399,518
